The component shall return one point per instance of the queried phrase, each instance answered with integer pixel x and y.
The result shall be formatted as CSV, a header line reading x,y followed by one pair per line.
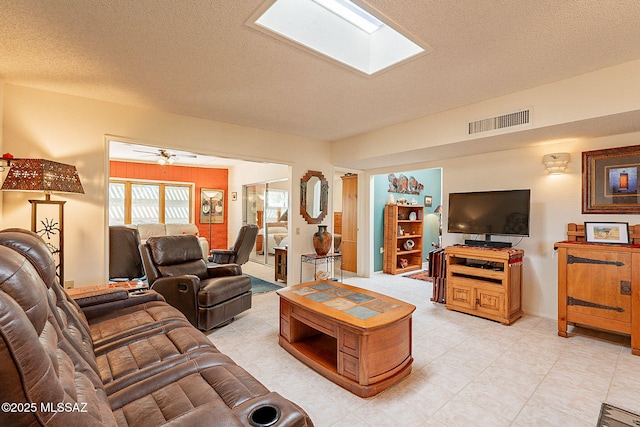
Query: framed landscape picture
x,y
610,181
606,232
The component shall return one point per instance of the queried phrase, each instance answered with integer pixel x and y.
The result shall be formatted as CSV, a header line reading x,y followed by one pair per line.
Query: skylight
x,y
340,30
353,14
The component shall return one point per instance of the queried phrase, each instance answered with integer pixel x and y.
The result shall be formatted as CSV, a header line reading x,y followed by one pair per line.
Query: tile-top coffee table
x,y
359,339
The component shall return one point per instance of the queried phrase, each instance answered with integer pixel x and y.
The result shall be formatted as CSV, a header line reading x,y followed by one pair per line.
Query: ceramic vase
x,y
322,240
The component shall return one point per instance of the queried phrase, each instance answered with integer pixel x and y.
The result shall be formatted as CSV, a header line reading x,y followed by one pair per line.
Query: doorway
x,y
266,205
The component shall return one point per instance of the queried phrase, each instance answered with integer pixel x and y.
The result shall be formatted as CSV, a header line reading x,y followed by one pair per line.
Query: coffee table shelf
x,y
359,339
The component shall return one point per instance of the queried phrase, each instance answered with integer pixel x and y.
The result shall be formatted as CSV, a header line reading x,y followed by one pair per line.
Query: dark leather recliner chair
x,y
241,249
207,296
124,253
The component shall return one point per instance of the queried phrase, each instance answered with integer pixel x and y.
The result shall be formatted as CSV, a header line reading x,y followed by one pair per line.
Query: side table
x,y
281,263
319,259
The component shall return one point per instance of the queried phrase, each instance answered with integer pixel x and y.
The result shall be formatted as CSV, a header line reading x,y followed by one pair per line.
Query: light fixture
x,y
45,176
556,163
165,158
352,14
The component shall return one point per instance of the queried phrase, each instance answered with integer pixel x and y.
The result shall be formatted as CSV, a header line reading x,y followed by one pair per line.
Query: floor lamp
x,y
47,216
210,195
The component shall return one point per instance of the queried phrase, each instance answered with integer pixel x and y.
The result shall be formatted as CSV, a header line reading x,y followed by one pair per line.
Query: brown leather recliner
x,y
241,249
124,253
207,296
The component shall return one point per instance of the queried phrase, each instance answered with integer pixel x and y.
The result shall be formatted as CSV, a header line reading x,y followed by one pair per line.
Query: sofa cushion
x,y
149,230
178,255
39,364
177,229
217,290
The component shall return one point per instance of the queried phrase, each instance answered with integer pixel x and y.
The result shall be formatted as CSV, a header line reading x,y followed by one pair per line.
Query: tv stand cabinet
x,y
485,282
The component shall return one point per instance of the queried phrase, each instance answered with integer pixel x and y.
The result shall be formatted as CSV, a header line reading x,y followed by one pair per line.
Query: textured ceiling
x,y
198,58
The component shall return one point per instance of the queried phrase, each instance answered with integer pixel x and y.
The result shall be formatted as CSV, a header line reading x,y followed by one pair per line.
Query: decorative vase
x,y
322,240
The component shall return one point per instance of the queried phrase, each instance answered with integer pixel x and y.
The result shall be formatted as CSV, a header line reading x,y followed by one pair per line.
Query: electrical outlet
x,y
69,284
298,231
381,249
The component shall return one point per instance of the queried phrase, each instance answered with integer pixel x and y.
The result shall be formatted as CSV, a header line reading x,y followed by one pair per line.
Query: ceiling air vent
x,y
499,122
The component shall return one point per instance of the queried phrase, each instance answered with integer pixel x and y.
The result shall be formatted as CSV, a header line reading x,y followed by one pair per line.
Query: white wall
x,y
72,130
599,94
556,200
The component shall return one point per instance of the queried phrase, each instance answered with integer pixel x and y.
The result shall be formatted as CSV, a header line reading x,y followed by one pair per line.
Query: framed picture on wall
x,y
610,181
211,206
428,201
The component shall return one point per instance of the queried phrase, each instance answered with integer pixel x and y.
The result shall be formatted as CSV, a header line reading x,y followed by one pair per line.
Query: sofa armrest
x,y
102,296
106,307
223,270
180,292
222,256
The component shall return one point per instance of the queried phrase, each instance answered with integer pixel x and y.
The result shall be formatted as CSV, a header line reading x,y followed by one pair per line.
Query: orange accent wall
x,y
201,177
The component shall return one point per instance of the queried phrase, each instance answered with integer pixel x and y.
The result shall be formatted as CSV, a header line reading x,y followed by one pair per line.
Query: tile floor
x,y
467,371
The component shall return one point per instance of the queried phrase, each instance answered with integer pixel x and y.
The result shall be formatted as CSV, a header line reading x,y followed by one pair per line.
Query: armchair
x,y
241,249
207,296
124,254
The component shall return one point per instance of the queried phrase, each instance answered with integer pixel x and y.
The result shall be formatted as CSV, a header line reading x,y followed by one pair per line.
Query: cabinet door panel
x,y
599,284
459,295
490,302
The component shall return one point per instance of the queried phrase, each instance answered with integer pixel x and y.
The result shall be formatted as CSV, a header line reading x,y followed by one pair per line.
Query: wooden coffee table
x,y
359,339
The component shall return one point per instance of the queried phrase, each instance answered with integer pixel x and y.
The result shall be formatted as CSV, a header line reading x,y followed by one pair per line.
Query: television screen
x,y
504,213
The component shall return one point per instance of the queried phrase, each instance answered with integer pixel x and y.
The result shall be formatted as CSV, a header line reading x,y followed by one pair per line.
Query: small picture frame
x,y
606,232
428,201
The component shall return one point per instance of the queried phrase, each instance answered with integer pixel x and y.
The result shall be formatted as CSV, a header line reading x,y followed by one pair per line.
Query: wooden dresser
x,y
599,285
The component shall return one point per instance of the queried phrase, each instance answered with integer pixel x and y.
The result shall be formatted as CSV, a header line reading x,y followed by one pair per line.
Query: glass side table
x,y
329,260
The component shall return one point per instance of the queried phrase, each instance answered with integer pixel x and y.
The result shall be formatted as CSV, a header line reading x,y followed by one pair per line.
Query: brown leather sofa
x,y
111,359
207,296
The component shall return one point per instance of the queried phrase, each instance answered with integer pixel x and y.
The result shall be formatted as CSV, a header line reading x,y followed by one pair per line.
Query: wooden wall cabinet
x,y
599,286
399,227
485,282
349,223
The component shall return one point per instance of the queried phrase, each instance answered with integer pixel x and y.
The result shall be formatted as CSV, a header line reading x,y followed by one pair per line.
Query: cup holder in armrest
x,y
264,416
182,287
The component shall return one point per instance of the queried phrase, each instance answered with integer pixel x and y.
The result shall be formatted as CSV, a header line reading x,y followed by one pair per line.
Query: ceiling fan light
x,y
171,160
161,161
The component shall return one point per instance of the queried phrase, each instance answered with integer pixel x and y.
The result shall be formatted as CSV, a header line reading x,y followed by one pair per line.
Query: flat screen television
x,y
492,213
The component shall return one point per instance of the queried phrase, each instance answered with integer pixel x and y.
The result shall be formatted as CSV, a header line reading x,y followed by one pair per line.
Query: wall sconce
x,y
556,163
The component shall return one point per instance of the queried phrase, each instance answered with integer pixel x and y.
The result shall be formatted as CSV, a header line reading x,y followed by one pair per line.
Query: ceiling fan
x,y
165,157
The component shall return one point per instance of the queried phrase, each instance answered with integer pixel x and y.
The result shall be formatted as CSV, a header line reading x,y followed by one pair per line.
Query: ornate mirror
x,y
314,194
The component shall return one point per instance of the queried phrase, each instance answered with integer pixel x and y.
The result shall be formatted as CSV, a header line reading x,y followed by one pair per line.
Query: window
x,y
138,202
116,203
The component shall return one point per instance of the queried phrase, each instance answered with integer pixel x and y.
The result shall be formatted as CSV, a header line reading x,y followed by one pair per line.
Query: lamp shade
x,y
42,175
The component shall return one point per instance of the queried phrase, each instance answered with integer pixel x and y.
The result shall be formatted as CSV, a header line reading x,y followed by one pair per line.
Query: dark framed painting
x,y
211,206
610,181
